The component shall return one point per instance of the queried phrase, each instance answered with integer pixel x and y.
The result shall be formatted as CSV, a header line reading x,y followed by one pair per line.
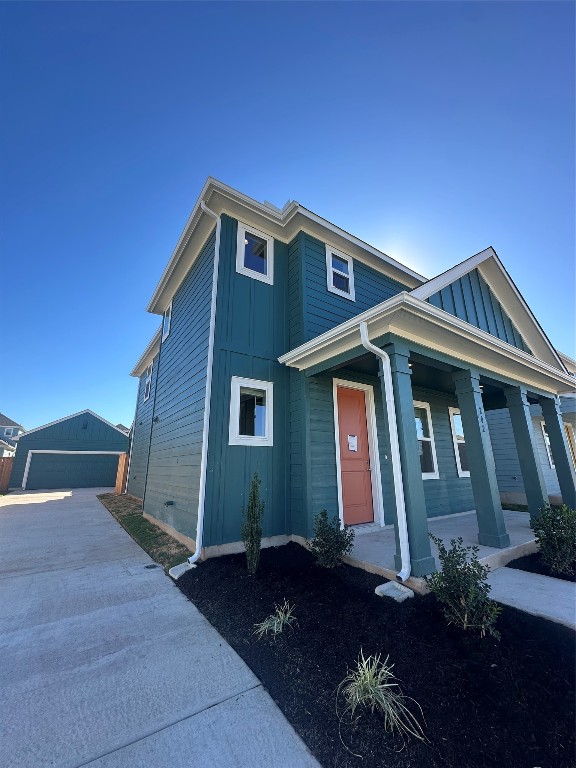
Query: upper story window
x,y
251,403
255,254
166,321
148,381
459,441
425,435
9,431
340,273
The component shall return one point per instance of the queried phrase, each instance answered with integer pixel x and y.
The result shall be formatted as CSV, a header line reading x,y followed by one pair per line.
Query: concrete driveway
x,y
105,663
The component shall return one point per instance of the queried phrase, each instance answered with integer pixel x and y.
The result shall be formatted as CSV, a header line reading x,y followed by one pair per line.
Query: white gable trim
x,y
72,416
148,355
503,287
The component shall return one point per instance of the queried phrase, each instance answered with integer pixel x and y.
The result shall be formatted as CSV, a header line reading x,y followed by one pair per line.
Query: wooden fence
x,y
122,474
5,471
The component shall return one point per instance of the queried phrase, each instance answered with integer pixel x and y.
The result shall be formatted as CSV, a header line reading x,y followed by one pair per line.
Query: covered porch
x,y
375,547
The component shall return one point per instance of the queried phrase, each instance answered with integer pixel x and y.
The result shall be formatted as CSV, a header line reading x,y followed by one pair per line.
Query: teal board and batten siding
x,y
251,333
173,474
83,432
470,298
141,435
322,309
508,470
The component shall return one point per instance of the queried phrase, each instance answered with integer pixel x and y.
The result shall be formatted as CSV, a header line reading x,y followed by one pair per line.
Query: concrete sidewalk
x,y
105,662
552,599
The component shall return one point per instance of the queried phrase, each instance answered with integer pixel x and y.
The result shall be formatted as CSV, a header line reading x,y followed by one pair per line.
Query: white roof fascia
x,y
492,270
569,363
281,224
347,335
65,418
148,355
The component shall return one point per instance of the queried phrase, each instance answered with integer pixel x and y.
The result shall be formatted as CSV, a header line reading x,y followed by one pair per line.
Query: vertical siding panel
x,y
478,303
436,300
448,300
459,305
467,292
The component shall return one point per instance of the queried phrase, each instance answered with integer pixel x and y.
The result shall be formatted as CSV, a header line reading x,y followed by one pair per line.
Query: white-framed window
x,y
148,381
340,273
569,439
251,408
167,321
425,434
547,444
8,431
459,441
255,254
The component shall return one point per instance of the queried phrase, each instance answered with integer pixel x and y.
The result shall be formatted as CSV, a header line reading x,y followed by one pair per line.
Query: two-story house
x,y
346,379
9,430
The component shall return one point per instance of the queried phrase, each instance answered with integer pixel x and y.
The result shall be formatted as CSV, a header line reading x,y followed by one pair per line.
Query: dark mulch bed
x,y
486,702
533,564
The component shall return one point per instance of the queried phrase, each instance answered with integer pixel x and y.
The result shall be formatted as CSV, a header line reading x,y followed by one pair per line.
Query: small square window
x,y
251,403
166,321
8,431
340,273
255,254
459,442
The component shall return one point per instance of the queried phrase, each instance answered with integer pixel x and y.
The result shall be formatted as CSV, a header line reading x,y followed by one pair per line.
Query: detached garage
x,y
78,451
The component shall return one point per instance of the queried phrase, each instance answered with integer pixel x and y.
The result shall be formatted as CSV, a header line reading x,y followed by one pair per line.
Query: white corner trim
x,y
243,270
451,413
429,475
87,453
375,474
330,270
234,437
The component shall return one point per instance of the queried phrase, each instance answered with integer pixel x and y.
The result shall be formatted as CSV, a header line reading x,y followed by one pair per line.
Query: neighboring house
x,y
345,379
9,431
123,428
78,451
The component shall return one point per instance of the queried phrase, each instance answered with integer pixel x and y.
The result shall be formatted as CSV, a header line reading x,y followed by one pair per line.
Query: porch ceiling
x,y
431,328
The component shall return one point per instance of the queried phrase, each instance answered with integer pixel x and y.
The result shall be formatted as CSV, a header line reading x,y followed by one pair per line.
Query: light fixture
x,y
245,241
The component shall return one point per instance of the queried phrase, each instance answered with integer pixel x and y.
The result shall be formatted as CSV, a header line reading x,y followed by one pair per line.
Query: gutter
x,y
394,450
208,395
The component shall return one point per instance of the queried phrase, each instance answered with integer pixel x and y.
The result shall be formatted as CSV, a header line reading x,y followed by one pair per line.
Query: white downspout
x,y
207,397
394,450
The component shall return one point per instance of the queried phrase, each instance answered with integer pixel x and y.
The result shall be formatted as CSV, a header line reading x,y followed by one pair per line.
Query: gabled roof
x,y
6,422
6,446
503,287
72,416
148,355
282,224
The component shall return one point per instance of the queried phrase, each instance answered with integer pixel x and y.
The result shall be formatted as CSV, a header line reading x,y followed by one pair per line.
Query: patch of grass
x,y
282,617
161,547
515,507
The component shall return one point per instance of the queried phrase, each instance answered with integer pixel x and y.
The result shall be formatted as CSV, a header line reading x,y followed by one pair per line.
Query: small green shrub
x,y
330,542
462,588
282,617
252,526
555,530
372,686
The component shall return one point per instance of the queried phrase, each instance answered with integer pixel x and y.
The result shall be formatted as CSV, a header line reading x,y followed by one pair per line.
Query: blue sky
x,y
431,130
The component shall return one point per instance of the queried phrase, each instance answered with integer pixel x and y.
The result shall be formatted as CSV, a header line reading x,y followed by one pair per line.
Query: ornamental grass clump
x,y
331,542
462,588
555,531
373,687
252,526
282,618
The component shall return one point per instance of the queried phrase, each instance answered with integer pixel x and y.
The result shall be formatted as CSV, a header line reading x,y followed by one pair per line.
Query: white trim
x,y
151,349
426,406
166,315
569,429
375,475
455,442
451,275
72,416
240,246
547,443
389,316
331,269
234,437
8,431
88,453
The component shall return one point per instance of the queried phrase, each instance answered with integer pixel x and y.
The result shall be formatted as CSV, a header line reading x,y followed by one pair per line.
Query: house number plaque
x,y
353,442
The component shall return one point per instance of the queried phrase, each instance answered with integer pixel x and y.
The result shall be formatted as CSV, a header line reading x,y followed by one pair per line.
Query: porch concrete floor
x,y
374,549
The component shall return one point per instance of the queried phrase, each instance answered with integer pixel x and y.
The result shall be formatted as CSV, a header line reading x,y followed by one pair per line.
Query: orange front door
x,y
354,457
